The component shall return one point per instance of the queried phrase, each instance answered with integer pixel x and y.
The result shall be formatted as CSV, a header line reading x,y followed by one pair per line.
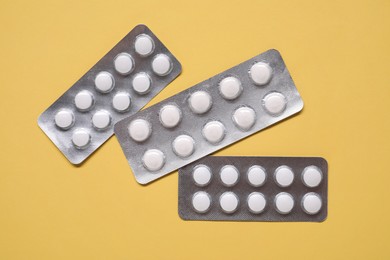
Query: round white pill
x,y
144,45
261,73
228,202
140,130
256,202
141,83
311,176
284,202
153,160
161,65
201,202
83,100
201,175
200,102
284,176
64,119
229,175
104,82
101,119
170,116
256,175
274,103
121,101
81,138
183,145
311,203
230,88
124,63
244,118
213,132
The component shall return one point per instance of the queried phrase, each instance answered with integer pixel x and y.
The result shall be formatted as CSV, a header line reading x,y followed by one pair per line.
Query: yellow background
x,y
338,54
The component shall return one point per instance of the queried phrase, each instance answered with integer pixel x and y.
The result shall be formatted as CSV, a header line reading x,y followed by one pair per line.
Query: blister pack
x,y
208,116
289,189
118,85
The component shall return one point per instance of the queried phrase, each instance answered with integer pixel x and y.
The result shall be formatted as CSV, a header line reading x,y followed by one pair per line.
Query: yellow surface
x,y
338,54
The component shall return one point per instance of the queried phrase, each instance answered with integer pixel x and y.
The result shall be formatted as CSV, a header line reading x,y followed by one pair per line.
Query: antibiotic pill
x,y
84,100
141,83
201,202
244,118
153,160
64,119
124,63
170,116
183,145
256,202
274,103
284,176
230,88
121,101
161,65
144,45
201,175
139,130
311,203
213,132
101,119
228,202
104,82
229,175
261,73
200,102
81,138
284,203
256,176
311,176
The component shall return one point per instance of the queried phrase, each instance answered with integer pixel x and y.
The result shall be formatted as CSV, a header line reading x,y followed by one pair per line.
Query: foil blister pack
x,y
237,188
117,86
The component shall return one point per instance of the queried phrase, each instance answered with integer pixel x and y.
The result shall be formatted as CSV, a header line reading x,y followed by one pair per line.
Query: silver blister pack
x,y
117,86
208,116
277,189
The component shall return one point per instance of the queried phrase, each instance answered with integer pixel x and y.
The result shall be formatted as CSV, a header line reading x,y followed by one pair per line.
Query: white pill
x,y
284,176
229,175
64,119
256,202
124,63
274,103
244,118
228,202
261,73
256,175
83,100
104,82
144,45
213,132
161,65
201,202
153,160
101,119
121,101
200,102
170,116
140,130
230,88
284,203
81,138
312,176
201,175
311,203
183,145
141,83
